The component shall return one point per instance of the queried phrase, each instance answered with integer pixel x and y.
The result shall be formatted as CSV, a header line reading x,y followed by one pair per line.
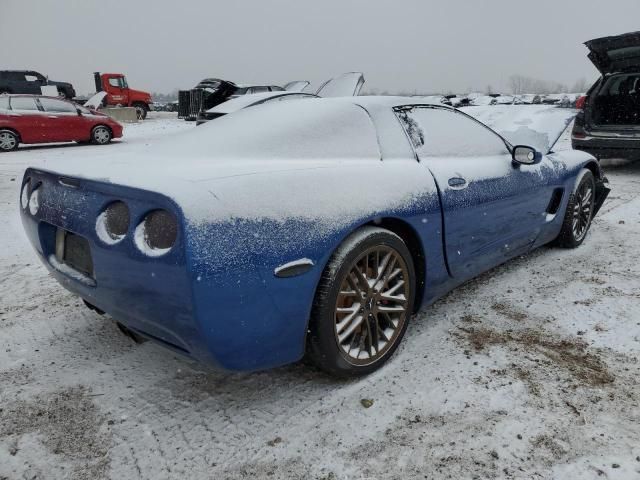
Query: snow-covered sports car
x,y
310,227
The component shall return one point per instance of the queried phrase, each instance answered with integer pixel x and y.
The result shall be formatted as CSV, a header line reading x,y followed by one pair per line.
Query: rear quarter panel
x,y
255,319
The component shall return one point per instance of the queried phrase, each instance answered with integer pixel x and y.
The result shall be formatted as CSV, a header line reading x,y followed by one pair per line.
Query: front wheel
x,y
362,305
141,110
101,135
8,141
579,212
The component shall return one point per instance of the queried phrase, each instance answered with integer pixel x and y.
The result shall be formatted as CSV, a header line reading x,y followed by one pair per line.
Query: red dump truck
x,y
118,93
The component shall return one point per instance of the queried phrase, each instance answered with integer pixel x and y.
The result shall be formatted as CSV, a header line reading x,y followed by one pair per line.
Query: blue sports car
x,y
306,228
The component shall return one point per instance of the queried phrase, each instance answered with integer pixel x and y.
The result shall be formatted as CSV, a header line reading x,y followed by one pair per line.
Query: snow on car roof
x,y
317,129
243,101
295,151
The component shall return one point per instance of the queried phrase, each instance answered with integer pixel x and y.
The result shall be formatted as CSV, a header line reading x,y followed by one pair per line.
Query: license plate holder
x,y
74,251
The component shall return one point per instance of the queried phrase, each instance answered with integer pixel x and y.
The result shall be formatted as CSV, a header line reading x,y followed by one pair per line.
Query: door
x,y
34,83
492,208
63,122
29,120
117,93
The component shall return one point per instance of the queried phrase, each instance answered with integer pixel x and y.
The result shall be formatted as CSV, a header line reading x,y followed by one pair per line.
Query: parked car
x,y
437,99
313,227
31,82
38,119
245,101
608,124
483,100
530,99
213,91
345,85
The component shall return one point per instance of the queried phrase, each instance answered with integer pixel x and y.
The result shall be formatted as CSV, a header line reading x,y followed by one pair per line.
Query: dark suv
x,y
30,82
608,125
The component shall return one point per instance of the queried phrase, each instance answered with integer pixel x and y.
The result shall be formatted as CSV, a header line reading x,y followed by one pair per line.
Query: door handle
x,y
53,116
457,183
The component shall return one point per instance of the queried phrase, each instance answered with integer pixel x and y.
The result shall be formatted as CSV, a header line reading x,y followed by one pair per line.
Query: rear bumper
x,y
151,295
216,309
607,147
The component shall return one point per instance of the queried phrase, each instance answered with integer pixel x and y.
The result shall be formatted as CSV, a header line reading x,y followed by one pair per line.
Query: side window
x,y
4,103
115,82
441,132
259,89
27,104
57,106
242,91
15,77
31,78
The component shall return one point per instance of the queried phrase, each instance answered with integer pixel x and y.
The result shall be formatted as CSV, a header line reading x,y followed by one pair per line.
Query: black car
x,y
30,82
211,92
608,125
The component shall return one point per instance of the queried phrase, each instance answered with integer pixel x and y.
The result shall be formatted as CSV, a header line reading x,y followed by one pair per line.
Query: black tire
x,y
9,140
141,110
101,135
324,349
579,212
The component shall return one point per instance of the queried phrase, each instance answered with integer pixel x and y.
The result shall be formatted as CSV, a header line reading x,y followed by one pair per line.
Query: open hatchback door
x,y
345,85
615,54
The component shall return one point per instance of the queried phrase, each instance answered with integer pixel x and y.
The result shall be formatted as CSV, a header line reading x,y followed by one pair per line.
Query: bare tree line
x,y
519,84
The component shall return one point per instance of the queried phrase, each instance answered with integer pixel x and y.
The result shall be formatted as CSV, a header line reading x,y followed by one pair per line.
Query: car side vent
x,y
554,203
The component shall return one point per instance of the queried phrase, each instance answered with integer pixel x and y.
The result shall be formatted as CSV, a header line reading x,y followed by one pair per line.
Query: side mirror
x,y
79,112
524,155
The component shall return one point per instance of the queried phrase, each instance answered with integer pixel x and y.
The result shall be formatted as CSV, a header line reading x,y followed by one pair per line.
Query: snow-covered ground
x,y
530,371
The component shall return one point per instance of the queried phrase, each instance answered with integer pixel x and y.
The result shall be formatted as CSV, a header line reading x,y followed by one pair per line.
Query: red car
x,y
39,119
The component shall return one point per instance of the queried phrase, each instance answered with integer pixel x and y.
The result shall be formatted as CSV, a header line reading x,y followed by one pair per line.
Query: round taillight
x,y
34,200
157,233
24,195
112,224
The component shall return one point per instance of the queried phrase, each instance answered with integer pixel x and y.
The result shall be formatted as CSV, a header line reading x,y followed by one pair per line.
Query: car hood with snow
x,y
345,85
538,126
296,86
244,101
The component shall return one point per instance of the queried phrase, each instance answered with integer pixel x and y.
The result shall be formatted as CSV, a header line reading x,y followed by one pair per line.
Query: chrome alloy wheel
x,y
8,141
582,210
372,305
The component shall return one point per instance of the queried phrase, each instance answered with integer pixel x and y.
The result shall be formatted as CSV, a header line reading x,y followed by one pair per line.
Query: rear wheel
x,y
579,212
100,135
363,304
8,141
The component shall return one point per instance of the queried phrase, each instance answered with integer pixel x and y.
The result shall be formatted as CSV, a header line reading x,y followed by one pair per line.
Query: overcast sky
x,y
401,45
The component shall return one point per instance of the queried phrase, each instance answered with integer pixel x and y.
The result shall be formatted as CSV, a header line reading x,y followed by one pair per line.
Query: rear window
x,y
57,106
622,85
23,103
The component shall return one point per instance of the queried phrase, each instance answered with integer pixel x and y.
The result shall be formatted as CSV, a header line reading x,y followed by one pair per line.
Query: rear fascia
x,y
151,295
